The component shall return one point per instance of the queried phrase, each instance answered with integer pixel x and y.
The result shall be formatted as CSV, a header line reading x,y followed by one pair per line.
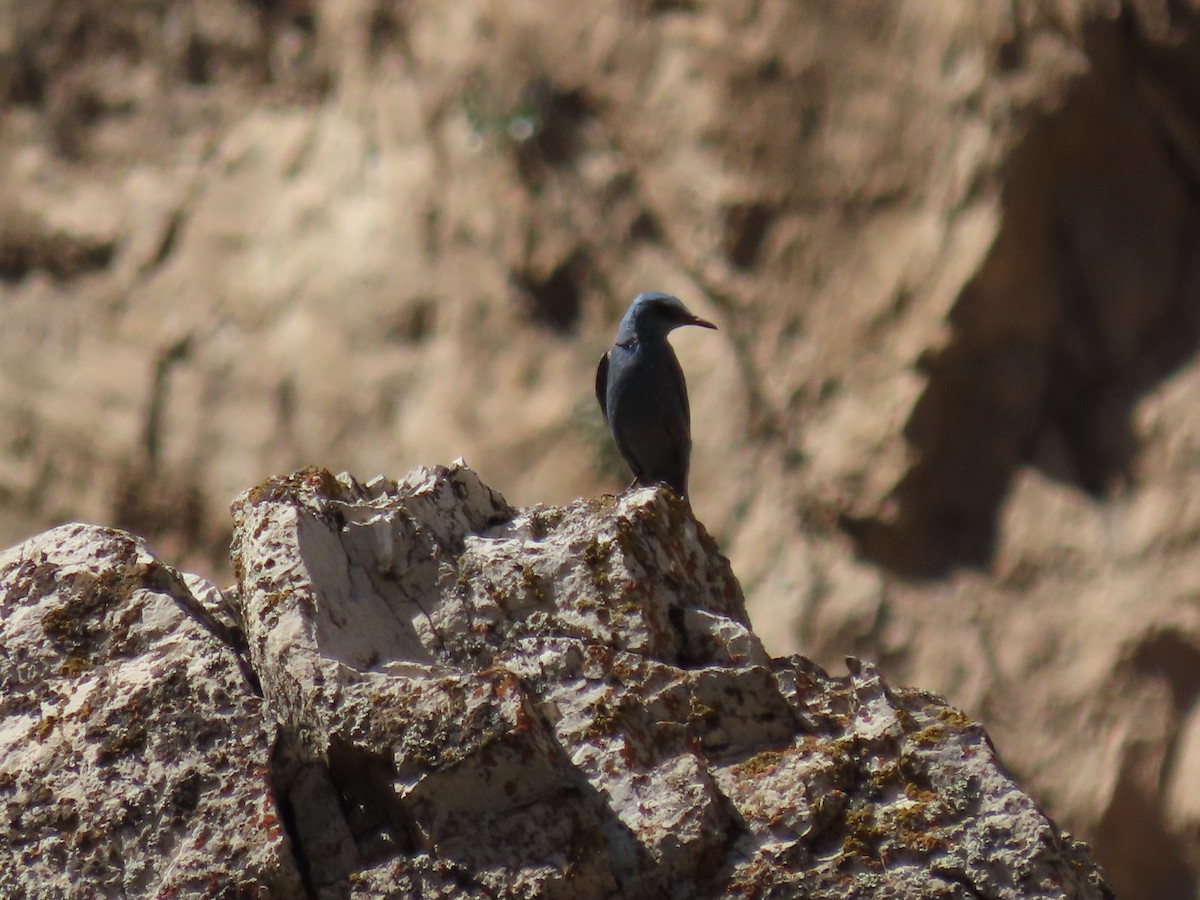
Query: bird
x,y
643,395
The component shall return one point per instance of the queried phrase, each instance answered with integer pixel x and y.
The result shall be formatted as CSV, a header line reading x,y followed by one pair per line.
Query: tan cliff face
x,y
948,422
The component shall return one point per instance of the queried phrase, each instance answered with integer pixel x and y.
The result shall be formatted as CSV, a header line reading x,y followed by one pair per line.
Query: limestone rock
x,y
464,700
569,702
134,761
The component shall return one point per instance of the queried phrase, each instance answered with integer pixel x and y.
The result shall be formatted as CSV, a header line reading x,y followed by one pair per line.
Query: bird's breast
x,y
646,379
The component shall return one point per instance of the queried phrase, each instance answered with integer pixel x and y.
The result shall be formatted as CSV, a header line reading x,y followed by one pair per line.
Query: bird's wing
x,y
687,407
679,421
602,385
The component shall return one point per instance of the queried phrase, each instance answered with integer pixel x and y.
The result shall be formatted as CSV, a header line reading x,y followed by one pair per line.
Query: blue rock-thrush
x,y
643,395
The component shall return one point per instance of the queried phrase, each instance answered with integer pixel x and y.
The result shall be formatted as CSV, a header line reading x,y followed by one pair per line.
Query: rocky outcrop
x,y
415,690
134,749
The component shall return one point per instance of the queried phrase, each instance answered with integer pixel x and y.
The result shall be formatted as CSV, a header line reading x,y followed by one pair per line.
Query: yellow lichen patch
x,y
274,598
534,593
544,521
43,728
297,487
764,763
954,718
699,711
75,665
605,716
929,736
595,557
76,625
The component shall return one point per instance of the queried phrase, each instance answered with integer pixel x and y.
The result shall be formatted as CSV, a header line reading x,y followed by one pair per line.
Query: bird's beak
x,y
703,323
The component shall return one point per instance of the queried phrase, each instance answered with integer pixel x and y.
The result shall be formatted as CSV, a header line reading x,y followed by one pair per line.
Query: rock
x,y
134,757
569,702
461,699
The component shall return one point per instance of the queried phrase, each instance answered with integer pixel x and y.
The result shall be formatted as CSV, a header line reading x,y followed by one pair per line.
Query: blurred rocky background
x,y
949,424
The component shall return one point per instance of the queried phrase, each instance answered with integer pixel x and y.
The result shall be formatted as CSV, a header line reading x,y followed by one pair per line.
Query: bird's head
x,y
654,315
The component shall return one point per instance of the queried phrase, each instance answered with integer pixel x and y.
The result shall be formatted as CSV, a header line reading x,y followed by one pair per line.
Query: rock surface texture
x,y
952,246
468,700
134,751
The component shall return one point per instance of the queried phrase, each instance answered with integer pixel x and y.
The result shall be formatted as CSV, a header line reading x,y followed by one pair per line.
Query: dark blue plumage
x,y
643,395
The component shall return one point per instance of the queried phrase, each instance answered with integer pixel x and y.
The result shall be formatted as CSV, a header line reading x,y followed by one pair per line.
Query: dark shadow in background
x,y
1089,297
